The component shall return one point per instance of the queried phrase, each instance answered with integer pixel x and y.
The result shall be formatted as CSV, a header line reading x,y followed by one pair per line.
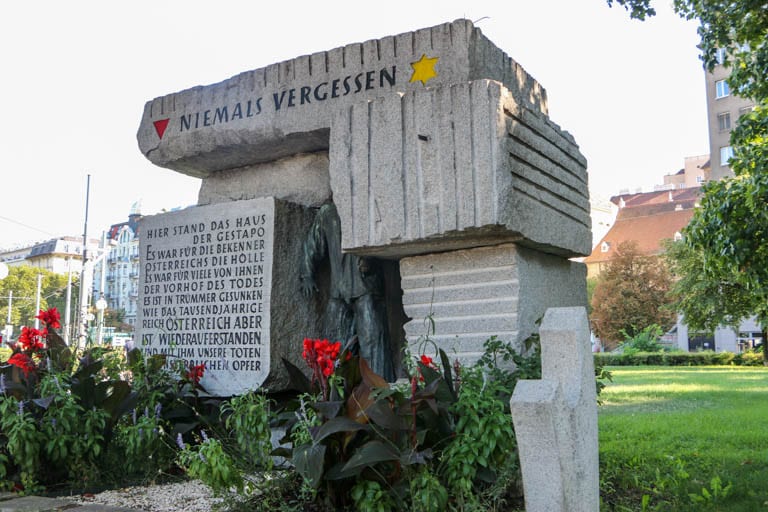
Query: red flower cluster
x,y
51,318
32,340
321,354
31,343
428,362
196,372
23,361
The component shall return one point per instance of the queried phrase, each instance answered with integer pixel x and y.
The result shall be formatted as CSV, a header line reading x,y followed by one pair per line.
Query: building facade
x,y
648,218
117,277
696,171
724,109
59,255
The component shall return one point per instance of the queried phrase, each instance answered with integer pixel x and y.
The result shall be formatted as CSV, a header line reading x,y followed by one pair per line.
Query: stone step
x,y
12,503
96,507
34,504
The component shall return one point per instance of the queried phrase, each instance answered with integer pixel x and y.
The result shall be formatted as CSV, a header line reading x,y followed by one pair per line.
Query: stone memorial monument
x,y
440,159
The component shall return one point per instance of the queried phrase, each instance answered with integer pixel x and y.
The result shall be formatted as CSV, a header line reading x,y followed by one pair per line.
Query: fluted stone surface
x,y
456,166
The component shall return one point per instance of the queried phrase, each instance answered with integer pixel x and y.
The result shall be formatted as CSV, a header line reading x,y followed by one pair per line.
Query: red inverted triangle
x,y
160,126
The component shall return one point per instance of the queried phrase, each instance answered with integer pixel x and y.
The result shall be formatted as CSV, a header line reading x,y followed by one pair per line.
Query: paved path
x,y
13,503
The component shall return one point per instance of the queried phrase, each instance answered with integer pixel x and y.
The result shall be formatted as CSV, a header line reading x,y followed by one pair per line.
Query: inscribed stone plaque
x,y
285,108
205,291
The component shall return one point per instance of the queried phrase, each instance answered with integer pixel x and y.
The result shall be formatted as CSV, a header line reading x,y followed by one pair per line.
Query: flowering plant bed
x,y
86,419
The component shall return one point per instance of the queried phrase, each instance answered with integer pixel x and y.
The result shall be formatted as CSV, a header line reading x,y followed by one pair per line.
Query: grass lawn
x,y
685,439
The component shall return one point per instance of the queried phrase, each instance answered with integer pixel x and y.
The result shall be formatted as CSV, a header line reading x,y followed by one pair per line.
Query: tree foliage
x,y
631,294
116,318
22,281
725,251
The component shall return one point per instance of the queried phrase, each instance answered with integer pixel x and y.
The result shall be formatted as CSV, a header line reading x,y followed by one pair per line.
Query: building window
x,y
678,236
726,153
721,89
746,110
699,179
604,247
720,55
724,121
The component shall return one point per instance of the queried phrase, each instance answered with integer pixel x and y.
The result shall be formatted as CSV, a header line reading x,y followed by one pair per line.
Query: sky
x,y
75,75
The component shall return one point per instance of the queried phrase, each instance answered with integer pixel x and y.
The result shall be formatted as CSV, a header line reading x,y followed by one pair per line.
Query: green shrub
x,y
706,358
446,436
647,340
749,358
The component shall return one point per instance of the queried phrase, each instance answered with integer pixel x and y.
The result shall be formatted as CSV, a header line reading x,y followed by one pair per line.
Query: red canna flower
x,y
23,361
321,356
428,362
196,372
31,339
51,318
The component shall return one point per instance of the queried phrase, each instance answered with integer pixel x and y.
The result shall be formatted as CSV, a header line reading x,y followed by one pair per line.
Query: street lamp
x,y
8,327
101,305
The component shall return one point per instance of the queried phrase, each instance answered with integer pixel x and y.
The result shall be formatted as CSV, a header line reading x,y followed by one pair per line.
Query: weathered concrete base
x,y
474,294
555,419
302,179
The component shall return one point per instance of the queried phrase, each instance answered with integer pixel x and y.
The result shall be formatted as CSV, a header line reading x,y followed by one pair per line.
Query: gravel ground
x,y
191,496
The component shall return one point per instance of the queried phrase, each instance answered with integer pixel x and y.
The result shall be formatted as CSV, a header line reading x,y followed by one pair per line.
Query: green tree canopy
x,y
22,281
116,318
724,264
631,294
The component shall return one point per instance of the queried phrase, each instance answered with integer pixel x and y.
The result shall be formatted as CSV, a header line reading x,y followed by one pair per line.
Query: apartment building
x,y
724,108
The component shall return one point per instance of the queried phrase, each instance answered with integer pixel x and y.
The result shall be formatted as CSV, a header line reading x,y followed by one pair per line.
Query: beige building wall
x,y
723,110
697,170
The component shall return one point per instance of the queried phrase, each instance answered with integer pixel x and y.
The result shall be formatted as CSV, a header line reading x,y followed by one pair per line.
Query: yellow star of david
x,y
424,69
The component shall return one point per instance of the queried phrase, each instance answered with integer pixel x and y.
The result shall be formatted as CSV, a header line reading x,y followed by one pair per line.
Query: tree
x,y
631,294
22,281
725,251
707,296
591,285
116,318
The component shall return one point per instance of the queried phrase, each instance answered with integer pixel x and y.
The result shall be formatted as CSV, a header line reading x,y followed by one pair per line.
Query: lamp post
x,y
84,283
67,311
101,305
8,327
37,300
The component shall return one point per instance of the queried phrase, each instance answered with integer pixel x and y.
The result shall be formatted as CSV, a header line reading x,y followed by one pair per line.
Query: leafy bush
x,y
749,358
74,417
65,409
706,358
443,437
646,340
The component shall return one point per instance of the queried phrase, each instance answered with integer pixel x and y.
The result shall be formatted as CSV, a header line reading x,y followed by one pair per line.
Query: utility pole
x,y
68,309
82,317
8,325
101,304
37,300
